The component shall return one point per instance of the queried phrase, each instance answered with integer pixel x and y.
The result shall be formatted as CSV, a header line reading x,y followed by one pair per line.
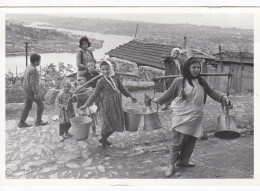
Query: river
x,y
110,41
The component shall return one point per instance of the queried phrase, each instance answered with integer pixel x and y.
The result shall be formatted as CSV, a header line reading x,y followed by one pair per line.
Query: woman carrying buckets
x,y
187,95
111,110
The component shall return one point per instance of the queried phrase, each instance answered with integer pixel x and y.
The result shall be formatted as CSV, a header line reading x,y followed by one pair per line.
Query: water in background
x,y
111,41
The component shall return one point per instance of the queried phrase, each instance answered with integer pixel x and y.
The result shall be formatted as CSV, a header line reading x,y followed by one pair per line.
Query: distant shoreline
x,y
23,54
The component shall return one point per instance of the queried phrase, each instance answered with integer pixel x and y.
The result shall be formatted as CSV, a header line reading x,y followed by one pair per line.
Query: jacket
x,y
31,80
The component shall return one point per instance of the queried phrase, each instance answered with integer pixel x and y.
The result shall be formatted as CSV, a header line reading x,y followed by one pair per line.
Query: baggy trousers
x,y
28,106
181,147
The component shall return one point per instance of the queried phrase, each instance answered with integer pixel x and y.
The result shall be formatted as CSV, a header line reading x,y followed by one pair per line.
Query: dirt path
x,y
35,152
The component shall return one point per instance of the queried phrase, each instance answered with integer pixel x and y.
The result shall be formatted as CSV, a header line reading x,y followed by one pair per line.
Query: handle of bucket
x,y
133,103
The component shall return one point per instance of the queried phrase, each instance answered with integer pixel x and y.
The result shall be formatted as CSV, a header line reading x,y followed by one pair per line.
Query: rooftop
x,y
148,54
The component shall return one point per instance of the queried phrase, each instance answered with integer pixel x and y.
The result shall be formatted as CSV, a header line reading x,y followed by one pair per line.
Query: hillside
x,y
205,38
41,40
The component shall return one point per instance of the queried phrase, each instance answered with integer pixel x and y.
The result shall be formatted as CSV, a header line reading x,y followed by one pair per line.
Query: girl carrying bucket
x,y
66,110
187,95
82,98
111,110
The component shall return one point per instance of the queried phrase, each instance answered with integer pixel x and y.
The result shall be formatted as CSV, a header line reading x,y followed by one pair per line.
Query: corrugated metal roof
x,y
148,54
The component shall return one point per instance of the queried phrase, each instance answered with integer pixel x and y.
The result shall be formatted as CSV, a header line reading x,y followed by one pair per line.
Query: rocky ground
x,y
36,153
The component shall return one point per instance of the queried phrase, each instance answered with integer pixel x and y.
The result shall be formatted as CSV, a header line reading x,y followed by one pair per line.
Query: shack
x,y
241,65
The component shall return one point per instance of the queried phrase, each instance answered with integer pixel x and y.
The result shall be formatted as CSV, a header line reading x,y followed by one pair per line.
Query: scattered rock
x,y
53,176
86,154
49,169
55,117
18,173
88,162
120,166
101,168
146,143
72,165
114,173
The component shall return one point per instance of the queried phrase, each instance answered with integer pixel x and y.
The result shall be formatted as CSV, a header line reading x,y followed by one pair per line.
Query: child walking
x,y
66,110
31,87
187,95
111,110
82,98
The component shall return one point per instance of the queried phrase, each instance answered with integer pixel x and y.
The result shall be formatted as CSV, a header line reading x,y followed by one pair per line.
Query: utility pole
x,y
136,30
26,53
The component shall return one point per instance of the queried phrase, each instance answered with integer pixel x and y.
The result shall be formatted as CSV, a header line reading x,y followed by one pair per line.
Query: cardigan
x,y
176,89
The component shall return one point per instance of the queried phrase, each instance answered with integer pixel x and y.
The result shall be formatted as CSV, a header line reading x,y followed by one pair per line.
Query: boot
x,y
41,123
170,170
23,125
185,164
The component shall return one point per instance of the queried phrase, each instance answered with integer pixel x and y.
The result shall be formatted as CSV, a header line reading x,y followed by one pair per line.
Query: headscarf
x,y
176,60
112,73
175,49
188,76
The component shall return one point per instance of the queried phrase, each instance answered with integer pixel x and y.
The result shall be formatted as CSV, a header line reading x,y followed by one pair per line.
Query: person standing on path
x,y
173,66
187,95
111,110
84,56
82,97
66,110
31,87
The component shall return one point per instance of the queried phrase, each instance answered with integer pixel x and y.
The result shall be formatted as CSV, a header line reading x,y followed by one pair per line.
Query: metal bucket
x,y
132,119
151,119
226,126
80,127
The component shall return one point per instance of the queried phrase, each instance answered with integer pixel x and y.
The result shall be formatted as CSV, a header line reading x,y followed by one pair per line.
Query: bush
x,y
50,77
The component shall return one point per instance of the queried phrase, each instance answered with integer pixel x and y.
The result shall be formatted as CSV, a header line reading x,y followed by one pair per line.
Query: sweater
x,y
176,89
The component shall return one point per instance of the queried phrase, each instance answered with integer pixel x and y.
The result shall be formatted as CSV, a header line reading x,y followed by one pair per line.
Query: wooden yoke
x,y
202,74
99,76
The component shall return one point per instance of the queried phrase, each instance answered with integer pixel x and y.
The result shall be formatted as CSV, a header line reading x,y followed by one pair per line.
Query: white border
x,y
133,182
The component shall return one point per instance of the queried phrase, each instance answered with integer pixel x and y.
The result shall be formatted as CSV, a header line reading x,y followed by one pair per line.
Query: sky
x,y
243,21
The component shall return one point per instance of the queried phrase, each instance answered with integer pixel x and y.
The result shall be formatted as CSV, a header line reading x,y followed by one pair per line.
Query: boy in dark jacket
x,y
31,87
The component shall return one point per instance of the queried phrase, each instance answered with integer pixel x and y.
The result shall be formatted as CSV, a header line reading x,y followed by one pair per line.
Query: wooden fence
x,y
242,79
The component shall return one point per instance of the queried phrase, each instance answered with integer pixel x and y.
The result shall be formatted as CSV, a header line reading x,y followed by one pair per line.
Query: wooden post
x,y
220,58
26,53
241,71
136,30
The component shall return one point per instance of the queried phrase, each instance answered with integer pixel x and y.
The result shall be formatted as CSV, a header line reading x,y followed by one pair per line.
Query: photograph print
x,y
129,96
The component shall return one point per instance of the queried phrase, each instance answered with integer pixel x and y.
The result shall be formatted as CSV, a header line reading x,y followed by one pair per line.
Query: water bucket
x,y
151,119
226,127
80,127
132,119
